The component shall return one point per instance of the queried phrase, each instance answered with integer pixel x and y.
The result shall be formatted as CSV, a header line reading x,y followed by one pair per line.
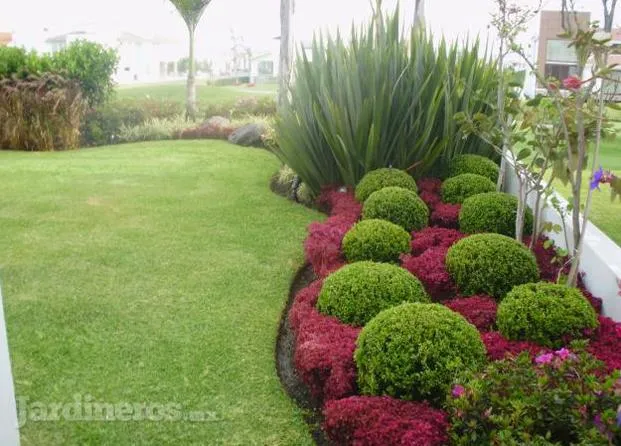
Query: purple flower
x,y
619,417
458,391
544,359
597,178
563,353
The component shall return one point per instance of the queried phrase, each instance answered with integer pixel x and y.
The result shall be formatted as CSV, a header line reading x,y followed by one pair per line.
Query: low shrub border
x,y
323,348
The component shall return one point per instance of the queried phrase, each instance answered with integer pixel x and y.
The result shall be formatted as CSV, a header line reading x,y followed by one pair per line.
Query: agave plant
x,y
381,99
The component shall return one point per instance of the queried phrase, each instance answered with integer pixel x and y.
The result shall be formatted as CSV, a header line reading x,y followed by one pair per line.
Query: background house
x,y
5,38
140,59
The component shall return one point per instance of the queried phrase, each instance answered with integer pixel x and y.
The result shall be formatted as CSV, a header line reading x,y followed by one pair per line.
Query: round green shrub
x,y
456,189
490,264
381,178
400,206
375,240
492,212
356,293
545,313
415,350
476,164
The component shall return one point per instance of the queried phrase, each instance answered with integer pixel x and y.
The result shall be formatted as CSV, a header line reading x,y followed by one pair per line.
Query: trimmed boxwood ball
x,y
476,164
414,351
456,189
545,313
376,240
490,264
381,178
399,206
492,212
356,293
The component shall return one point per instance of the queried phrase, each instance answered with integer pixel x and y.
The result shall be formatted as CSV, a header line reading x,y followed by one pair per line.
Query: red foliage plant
x,y
431,199
431,185
498,347
480,311
324,348
446,215
430,269
434,237
381,421
606,343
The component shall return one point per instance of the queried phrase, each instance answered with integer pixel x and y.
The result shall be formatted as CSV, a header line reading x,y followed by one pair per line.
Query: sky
x,y
257,21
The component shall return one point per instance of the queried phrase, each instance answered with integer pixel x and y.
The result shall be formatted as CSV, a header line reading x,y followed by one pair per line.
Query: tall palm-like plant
x,y
191,11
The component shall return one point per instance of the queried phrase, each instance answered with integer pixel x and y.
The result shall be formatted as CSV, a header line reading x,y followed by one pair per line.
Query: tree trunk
x,y
286,50
191,109
521,208
419,12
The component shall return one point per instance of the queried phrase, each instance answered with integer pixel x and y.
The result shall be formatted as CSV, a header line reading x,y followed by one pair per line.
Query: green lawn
x,y
150,273
604,214
175,91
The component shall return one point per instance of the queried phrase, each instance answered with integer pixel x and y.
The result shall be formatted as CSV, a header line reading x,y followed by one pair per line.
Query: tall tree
x,y
419,12
287,8
191,11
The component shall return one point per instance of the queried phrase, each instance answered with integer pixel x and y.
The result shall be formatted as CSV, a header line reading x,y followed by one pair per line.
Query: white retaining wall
x,y
9,430
601,257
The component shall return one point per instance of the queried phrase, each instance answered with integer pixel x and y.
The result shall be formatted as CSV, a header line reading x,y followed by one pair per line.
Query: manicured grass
x,y
150,273
206,94
604,213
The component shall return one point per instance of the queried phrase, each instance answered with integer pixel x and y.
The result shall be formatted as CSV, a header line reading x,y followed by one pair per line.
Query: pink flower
x,y
458,391
544,359
572,83
563,354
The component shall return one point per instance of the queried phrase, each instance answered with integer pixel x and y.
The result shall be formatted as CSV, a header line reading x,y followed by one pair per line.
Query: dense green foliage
x,y
490,264
397,205
381,178
375,240
456,189
356,293
384,100
414,351
470,163
545,313
566,399
493,212
139,301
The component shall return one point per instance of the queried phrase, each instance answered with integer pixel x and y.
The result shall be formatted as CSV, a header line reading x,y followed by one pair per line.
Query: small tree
x,y
191,11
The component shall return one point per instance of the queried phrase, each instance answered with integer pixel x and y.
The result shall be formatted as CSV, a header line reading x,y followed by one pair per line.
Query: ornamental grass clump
x,y
381,178
356,293
399,206
476,164
413,352
490,264
456,189
545,313
376,240
492,212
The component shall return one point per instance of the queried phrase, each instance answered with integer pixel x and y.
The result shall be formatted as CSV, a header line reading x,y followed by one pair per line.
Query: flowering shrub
x,y
430,269
382,421
480,311
563,398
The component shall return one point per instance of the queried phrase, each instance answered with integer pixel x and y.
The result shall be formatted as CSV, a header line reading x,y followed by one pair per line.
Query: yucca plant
x,y
382,99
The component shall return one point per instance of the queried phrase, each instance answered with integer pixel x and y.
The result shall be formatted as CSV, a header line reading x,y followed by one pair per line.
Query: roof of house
x,y
5,38
63,37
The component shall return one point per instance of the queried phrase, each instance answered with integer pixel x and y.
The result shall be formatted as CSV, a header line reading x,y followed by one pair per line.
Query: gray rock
x,y
248,135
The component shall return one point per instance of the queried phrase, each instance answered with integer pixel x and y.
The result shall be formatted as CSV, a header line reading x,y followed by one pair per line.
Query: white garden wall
x,y
601,257
9,431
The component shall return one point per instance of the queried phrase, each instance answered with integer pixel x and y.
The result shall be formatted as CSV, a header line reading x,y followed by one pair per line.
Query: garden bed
x,y
321,347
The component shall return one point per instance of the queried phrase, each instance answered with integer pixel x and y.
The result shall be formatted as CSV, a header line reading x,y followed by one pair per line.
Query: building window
x,y
560,71
560,51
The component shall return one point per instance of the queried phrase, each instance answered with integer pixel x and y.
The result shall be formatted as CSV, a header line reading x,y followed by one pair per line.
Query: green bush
x,y
381,178
386,99
375,240
456,189
153,129
556,402
490,264
476,164
545,313
356,293
400,206
413,351
492,212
